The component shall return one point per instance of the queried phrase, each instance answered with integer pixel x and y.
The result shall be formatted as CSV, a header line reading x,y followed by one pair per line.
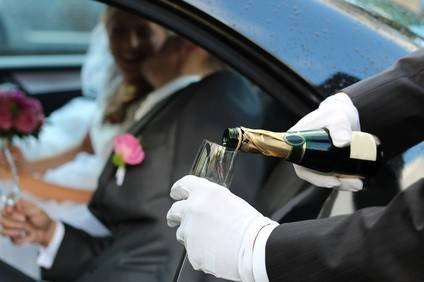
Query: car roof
x,y
317,39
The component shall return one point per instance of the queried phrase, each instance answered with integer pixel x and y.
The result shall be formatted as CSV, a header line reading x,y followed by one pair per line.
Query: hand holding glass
x,y
213,162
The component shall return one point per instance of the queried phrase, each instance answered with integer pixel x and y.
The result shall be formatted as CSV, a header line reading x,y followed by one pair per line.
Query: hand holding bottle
x,y
340,117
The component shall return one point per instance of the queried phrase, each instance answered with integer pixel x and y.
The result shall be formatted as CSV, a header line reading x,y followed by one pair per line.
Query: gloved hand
x,y
217,228
338,114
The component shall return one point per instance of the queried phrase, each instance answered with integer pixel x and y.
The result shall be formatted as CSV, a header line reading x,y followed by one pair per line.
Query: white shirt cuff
x,y
47,255
258,258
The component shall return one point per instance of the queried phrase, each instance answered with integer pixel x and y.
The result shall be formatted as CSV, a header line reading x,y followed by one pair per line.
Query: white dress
x,y
24,258
69,125
65,128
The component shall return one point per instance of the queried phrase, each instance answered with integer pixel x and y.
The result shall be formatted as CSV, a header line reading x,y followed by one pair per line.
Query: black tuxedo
x,y
142,247
374,244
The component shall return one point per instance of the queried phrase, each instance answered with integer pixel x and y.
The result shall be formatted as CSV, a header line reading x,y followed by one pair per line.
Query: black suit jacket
x,y
374,244
142,247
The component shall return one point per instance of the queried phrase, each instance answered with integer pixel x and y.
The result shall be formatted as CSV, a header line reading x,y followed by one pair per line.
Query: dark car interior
x,y
278,192
54,87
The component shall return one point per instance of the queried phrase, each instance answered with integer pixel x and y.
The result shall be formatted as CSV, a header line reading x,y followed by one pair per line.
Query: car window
x,y
403,15
29,27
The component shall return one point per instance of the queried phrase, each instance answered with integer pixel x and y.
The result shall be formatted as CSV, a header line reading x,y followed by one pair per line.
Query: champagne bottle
x,y
311,148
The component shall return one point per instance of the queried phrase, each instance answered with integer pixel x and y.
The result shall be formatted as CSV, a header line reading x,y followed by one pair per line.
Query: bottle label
x,y
294,139
298,144
363,146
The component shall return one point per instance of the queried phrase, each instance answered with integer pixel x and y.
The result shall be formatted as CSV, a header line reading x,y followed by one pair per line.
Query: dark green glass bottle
x,y
311,148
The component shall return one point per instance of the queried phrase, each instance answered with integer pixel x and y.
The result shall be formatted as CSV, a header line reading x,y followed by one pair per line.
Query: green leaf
x,y
118,160
14,109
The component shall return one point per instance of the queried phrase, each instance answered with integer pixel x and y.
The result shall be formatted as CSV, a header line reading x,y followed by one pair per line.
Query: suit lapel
x,y
134,129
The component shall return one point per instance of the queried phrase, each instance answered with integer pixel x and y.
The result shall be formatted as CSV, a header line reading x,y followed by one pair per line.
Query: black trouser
x,y
10,274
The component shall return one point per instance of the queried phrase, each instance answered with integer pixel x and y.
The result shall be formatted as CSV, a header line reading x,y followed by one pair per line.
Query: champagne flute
x,y
215,163
9,179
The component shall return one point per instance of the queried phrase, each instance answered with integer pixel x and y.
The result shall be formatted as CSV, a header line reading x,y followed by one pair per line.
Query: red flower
x,y
19,114
5,114
26,121
5,120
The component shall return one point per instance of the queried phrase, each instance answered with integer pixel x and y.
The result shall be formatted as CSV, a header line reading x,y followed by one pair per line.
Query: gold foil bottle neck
x,y
265,142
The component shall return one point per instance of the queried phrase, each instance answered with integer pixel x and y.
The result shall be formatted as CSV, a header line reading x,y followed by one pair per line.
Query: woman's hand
x,y
26,223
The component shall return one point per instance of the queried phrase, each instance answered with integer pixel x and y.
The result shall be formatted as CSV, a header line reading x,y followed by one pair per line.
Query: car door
x,y
296,52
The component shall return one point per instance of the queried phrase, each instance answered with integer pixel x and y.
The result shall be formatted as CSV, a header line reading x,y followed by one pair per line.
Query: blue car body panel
x,y
314,38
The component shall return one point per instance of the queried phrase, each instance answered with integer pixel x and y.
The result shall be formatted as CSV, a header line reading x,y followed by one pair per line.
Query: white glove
x,y
338,114
217,228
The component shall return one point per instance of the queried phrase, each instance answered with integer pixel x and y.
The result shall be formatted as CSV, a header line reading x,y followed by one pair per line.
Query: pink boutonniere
x,y
127,151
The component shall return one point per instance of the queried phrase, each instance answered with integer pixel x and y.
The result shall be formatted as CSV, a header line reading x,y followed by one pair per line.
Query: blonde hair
x,y
214,64
119,102
127,93
108,14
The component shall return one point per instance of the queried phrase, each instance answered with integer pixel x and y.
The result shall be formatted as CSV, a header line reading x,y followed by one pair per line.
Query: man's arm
x,y
75,255
388,105
391,104
375,244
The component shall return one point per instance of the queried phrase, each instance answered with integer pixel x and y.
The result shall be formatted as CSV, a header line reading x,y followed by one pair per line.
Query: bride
x,y
59,170
66,161
177,64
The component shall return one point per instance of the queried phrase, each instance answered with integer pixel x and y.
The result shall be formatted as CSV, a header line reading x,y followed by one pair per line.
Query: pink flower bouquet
x,y
20,115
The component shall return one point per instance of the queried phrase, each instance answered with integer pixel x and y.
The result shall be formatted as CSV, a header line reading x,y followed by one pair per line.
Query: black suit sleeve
x,y
391,104
375,244
80,244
